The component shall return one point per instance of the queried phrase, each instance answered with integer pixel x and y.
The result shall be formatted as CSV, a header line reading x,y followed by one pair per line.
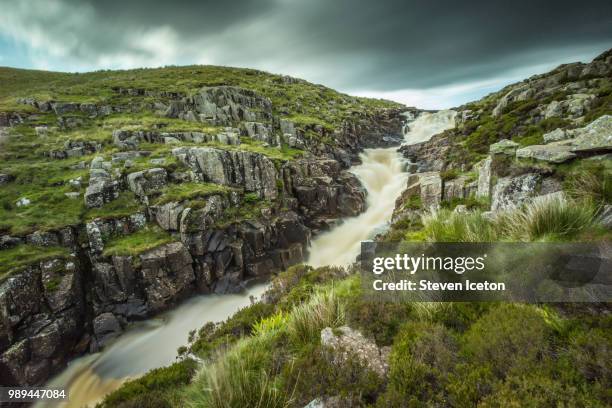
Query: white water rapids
x,y
153,343
382,174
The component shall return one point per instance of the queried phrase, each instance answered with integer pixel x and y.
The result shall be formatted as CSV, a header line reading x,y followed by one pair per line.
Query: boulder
x,y
41,131
23,202
511,192
504,146
143,183
101,192
168,216
431,189
5,179
346,343
222,105
605,217
261,132
556,152
596,136
553,110
106,327
557,135
455,188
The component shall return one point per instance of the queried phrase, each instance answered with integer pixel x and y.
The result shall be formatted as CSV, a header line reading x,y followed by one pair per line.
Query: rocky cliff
x,y
118,207
539,137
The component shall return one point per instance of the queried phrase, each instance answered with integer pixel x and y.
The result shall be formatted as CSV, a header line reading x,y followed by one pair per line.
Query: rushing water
x,y
153,343
146,345
382,174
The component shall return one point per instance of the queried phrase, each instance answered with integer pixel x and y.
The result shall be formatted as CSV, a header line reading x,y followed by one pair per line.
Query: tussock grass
x,y
448,226
546,218
306,321
247,374
241,377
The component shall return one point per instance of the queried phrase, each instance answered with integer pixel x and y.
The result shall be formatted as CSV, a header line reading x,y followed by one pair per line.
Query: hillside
x,y
124,192
316,341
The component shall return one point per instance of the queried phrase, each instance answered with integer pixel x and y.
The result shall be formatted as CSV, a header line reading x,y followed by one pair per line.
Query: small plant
x,y
251,198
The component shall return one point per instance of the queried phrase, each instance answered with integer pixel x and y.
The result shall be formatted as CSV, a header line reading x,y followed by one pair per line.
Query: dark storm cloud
x,y
350,44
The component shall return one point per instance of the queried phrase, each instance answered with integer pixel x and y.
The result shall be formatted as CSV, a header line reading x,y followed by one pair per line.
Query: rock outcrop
x,y
346,343
221,105
252,171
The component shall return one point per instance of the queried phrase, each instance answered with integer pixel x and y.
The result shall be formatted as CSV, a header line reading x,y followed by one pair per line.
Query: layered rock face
x,y
42,314
221,105
255,172
257,219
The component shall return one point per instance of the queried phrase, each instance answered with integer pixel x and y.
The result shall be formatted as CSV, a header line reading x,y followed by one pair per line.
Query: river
x,y
153,343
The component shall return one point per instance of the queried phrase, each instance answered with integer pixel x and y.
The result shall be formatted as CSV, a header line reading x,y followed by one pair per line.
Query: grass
x,y
138,242
17,258
299,98
448,226
125,205
543,219
45,181
306,321
549,219
189,191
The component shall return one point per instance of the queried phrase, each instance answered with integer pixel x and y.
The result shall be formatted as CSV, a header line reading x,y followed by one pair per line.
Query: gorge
x,y
153,344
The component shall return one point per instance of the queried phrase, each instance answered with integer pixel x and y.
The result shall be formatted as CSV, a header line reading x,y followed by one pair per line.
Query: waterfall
x,y
382,174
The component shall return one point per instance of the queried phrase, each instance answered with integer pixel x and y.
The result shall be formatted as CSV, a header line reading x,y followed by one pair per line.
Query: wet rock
x,y
106,327
167,274
347,343
511,192
61,283
322,189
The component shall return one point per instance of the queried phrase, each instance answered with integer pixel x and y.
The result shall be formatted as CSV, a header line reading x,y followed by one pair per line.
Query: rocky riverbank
x,y
212,208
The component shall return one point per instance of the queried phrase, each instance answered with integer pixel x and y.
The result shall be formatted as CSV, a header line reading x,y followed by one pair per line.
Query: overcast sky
x,y
428,53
